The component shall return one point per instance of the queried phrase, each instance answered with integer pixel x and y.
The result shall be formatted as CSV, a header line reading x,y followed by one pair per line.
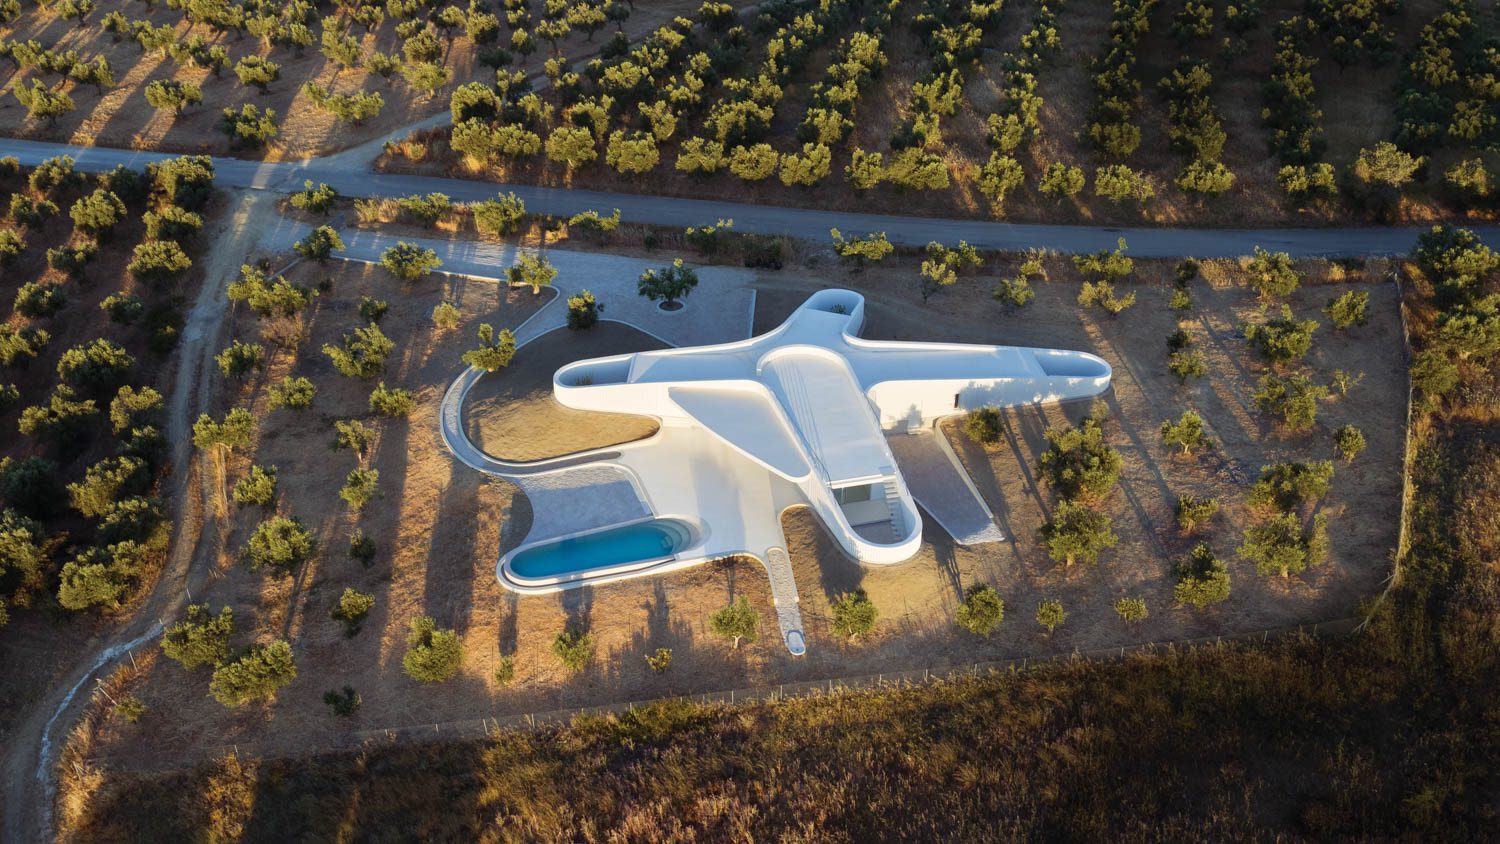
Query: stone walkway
x,y
784,593
941,486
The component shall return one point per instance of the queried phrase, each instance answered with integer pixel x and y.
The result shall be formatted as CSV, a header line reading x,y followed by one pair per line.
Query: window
x,y
852,494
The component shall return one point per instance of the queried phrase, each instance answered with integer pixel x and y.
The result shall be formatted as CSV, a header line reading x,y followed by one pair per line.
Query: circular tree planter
x,y
671,307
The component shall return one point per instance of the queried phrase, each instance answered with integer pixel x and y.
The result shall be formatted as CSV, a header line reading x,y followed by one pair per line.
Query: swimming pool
x,y
641,542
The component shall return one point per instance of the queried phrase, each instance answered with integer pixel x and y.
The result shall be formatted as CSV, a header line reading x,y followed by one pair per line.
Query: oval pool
x,y
642,542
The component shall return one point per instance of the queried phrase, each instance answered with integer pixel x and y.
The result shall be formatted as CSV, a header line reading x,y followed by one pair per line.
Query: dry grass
x,y
440,527
512,415
121,117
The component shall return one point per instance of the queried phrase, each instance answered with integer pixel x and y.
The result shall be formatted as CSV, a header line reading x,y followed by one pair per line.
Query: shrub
x,y
1117,182
37,300
594,223
707,239
533,271
1076,533
360,487
200,638
343,703
43,103
100,364
257,72
1302,182
660,661
240,358
984,425
1131,609
871,247
294,393
807,169
363,353
499,216
1187,432
1193,512
98,213
1292,398
1078,463
278,544
171,95
314,200
426,210
1348,442
257,488
1201,578
445,316
1385,165
361,547
258,672
854,614
754,163
172,223
249,126
353,435
386,401
237,430
371,309
1101,294
408,261
1348,309
351,609
633,153
319,244
736,622
999,176
1061,180
31,486
668,284
1050,614
1288,485
185,181
131,407
157,262
1282,339
982,610
11,246
573,648
130,708
1186,364
505,671
1280,544
106,482
19,346
941,267
583,311
1272,274
493,354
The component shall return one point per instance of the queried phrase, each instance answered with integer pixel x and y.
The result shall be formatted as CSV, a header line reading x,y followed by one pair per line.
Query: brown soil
x,y
1357,105
440,527
121,117
512,415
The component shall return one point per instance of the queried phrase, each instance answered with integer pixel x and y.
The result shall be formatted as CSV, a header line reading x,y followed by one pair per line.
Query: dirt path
x,y
28,756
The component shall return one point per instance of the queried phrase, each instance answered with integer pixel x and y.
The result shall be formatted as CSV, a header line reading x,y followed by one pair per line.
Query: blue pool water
x,y
617,546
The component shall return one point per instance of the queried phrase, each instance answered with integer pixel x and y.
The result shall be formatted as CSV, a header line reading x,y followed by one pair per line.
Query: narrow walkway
x,y
784,592
941,486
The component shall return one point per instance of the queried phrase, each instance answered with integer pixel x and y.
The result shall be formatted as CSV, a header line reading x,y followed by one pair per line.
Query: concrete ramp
x,y
941,486
784,592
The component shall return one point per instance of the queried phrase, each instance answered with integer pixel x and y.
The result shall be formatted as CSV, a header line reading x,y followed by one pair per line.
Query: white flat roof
x,y
824,401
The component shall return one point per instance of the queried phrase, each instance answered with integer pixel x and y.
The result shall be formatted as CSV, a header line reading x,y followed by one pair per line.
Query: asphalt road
x,y
350,175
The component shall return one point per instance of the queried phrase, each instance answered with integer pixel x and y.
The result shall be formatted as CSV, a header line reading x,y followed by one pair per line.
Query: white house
x,y
800,415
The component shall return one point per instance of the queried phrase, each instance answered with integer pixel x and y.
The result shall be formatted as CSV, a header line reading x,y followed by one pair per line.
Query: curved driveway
x,y
352,175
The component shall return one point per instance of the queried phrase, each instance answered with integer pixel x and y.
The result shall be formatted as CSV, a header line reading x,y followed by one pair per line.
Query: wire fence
x,y
475,728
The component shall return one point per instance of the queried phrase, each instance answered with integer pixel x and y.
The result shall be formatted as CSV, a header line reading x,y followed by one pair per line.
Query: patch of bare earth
x,y
512,415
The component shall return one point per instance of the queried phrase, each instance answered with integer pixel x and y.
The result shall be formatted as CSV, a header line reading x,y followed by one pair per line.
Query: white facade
x,y
811,403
